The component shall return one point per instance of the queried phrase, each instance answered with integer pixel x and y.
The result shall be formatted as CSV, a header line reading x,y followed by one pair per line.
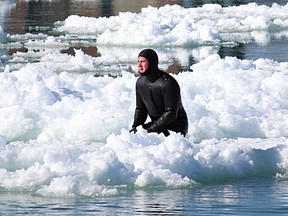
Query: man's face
x,y
143,64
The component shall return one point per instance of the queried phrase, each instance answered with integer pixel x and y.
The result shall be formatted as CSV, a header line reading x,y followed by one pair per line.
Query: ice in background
x,y
65,131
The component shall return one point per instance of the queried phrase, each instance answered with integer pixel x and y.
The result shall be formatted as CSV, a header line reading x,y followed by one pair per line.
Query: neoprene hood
x,y
151,56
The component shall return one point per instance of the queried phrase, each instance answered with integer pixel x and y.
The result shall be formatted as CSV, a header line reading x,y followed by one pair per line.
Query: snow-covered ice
x,y
65,132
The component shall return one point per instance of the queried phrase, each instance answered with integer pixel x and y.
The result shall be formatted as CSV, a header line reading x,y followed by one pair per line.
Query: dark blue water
x,y
249,197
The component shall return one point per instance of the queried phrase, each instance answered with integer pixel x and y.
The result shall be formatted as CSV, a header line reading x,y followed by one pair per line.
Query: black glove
x,y
150,127
134,130
147,126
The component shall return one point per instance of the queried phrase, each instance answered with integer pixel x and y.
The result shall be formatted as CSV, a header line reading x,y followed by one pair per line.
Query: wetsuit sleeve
x,y
172,99
140,115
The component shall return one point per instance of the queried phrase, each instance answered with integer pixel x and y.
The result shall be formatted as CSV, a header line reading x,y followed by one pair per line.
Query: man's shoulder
x,y
168,81
167,77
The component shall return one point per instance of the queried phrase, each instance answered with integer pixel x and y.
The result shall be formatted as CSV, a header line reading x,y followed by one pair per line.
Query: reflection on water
x,y
243,198
253,197
232,51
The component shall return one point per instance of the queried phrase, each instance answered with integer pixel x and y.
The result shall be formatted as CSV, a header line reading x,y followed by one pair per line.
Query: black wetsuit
x,y
158,95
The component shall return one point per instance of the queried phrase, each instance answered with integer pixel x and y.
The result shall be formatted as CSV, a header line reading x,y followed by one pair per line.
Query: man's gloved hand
x,y
147,126
134,130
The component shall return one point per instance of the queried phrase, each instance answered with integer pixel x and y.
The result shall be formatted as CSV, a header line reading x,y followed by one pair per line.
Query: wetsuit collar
x,y
152,75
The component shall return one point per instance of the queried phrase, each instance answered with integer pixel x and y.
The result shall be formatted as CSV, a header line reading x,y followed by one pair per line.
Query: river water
x,y
254,197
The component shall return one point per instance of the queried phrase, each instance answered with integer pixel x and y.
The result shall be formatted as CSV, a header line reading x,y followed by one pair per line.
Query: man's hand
x,y
134,130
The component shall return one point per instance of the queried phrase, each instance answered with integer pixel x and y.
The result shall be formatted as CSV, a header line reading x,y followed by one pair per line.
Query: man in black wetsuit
x,y
158,95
